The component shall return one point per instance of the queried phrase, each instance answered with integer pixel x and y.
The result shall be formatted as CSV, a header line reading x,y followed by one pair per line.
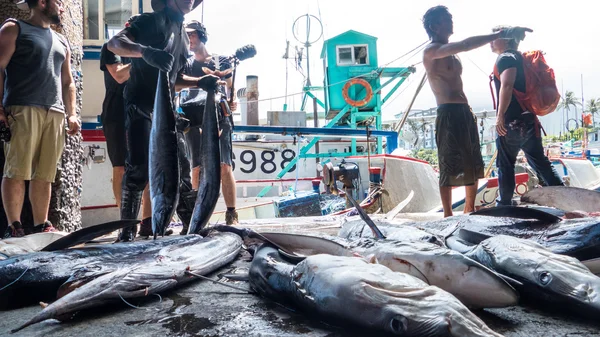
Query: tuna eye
x,y
545,278
398,324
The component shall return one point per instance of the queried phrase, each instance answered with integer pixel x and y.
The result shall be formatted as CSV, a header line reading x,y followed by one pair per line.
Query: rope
x,y
133,306
421,84
487,74
218,282
18,278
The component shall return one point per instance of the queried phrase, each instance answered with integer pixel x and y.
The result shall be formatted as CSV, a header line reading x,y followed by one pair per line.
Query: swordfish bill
x,y
210,174
164,161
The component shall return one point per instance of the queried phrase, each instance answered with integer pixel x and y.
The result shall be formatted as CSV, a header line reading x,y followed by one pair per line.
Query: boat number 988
x,y
266,163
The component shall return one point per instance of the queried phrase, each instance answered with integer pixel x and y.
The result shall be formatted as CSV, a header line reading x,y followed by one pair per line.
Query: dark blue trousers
x,y
522,135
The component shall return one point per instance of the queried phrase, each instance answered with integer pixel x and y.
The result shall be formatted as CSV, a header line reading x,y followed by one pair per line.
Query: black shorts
x,y
459,151
194,140
116,145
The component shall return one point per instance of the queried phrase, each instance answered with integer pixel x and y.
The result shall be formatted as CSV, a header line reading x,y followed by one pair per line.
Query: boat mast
x,y
584,140
307,43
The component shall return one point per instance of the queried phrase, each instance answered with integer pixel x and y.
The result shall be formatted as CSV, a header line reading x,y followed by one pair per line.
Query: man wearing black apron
x,y
144,42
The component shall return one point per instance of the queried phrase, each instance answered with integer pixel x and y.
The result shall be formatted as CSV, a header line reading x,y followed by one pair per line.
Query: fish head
x,y
471,282
425,311
373,296
558,278
570,279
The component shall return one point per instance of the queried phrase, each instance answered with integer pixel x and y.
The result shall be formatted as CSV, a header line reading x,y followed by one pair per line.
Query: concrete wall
x,y
65,210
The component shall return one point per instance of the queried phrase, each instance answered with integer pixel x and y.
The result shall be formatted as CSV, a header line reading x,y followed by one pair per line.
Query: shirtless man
x,y
457,139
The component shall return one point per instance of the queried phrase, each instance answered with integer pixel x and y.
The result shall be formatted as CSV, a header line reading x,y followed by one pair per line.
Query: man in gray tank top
x,y
36,91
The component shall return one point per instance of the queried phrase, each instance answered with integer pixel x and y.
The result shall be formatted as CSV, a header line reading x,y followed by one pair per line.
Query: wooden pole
x,y
399,127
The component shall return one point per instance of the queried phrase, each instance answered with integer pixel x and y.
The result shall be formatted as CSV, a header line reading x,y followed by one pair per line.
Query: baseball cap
x,y
199,28
132,20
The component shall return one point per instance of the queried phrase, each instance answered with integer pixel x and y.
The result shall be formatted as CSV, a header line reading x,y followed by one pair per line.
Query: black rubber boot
x,y
146,228
185,209
130,207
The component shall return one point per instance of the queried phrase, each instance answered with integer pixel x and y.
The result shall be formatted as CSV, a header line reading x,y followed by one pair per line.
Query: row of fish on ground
x,y
408,279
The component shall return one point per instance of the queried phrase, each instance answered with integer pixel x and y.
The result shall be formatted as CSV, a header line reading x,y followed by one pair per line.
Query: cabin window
x,y
345,56
116,14
104,18
353,55
91,26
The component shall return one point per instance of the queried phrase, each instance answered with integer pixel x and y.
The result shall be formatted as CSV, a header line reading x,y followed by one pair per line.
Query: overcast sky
x,y
567,31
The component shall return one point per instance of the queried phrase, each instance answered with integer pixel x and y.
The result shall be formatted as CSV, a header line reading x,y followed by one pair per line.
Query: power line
x,y
371,73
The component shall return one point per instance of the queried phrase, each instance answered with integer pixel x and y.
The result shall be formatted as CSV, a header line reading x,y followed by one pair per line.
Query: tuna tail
x,y
518,212
87,234
363,215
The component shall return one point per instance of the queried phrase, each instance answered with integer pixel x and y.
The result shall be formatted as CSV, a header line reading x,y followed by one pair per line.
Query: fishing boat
x,y
283,165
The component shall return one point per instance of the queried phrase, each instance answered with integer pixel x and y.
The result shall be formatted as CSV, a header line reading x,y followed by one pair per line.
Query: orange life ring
x,y
361,102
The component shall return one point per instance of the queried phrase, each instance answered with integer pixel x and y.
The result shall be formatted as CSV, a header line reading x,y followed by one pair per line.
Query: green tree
x,y
593,107
428,155
569,101
414,127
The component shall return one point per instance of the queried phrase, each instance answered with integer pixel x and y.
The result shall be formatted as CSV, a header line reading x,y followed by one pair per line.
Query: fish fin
x,y
157,287
392,214
518,212
459,245
363,215
373,259
293,258
473,237
87,234
237,277
255,235
81,277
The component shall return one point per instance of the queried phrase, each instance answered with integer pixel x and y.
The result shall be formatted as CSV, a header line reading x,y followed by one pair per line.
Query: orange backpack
x,y
541,95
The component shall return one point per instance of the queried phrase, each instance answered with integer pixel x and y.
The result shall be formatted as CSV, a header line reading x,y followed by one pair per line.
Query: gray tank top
x,y
33,75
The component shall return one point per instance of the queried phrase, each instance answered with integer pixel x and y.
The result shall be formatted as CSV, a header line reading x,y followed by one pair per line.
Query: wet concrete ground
x,y
206,309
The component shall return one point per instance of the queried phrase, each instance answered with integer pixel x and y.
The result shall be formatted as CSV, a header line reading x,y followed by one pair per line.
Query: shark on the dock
x,y
354,292
542,275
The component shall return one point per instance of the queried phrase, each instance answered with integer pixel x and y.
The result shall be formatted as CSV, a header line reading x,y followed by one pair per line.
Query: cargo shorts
x,y
36,144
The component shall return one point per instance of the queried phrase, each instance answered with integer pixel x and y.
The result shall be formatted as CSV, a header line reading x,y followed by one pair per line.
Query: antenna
x,y
306,40
286,57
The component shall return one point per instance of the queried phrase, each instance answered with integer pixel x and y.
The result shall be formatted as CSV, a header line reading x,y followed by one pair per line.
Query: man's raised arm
x,y
439,50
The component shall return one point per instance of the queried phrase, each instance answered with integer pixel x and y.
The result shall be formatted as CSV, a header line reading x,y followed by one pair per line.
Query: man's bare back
x,y
444,77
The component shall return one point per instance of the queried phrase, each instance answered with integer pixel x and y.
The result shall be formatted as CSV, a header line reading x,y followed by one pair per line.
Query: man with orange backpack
x,y
525,88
